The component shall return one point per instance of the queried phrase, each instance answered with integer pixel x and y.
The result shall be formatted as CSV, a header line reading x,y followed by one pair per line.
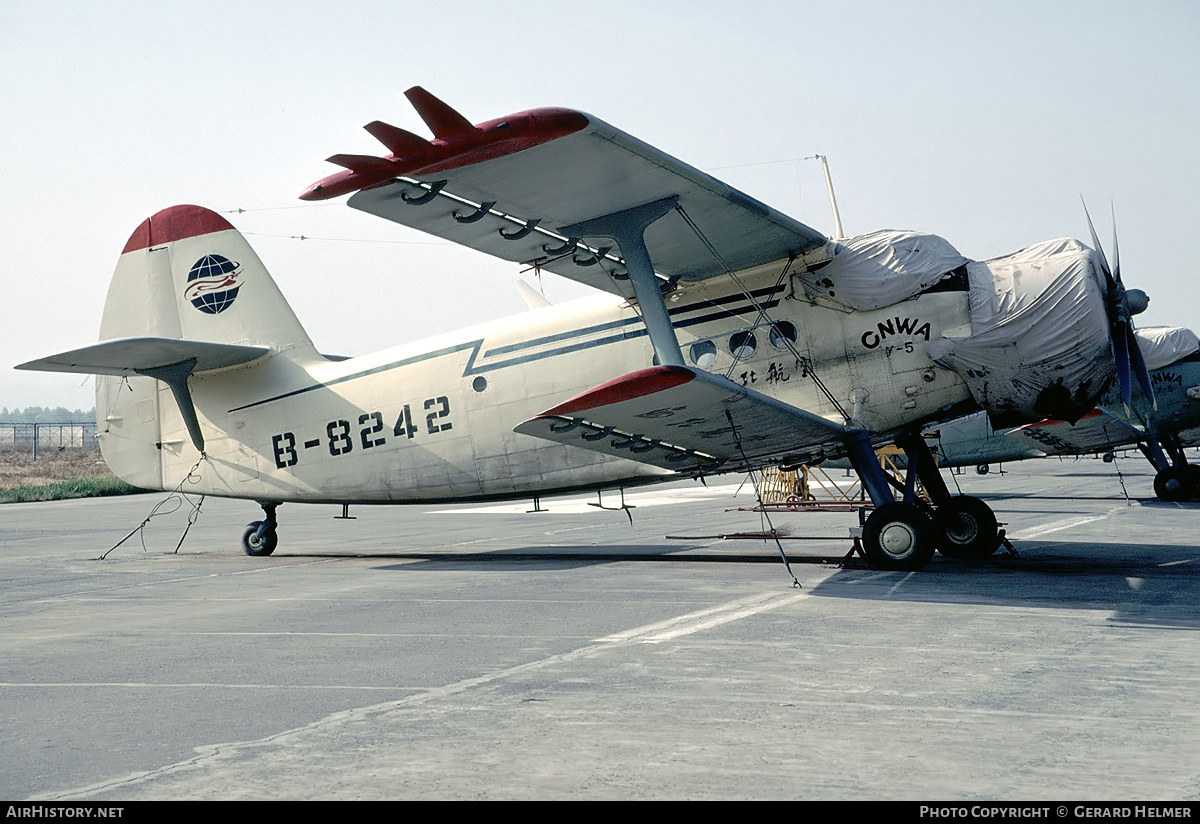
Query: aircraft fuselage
x,y
433,420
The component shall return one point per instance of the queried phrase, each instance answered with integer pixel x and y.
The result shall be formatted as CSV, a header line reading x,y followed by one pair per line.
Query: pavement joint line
x,y
651,633
1059,526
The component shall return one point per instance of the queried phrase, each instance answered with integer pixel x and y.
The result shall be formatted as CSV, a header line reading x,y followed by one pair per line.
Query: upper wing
x,y
684,419
507,186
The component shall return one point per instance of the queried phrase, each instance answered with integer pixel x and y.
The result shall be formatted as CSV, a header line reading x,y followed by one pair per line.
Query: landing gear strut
x,y
260,537
904,534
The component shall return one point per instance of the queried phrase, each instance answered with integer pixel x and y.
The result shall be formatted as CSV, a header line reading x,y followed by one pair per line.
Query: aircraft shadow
x,y
564,557
1149,585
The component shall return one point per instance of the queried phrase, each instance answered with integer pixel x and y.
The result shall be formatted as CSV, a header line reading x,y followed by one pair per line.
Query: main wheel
x,y
255,544
1173,484
899,536
1194,474
968,528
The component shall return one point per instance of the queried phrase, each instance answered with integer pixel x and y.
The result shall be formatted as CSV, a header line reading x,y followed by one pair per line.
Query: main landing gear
x,y
904,534
1176,479
260,537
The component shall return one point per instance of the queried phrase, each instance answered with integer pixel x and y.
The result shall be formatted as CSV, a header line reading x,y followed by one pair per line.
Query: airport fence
x,y
47,436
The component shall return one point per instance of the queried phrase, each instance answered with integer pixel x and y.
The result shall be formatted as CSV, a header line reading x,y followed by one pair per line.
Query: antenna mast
x,y
837,218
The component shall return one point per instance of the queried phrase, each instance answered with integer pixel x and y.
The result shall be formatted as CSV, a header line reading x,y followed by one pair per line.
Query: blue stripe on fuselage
x,y
476,345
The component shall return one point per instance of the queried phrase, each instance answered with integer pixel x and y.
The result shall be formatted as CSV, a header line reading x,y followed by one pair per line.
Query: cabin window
x,y
783,333
742,344
703,353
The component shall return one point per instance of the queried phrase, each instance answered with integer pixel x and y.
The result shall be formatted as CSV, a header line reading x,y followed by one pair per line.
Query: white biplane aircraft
x,y
730,337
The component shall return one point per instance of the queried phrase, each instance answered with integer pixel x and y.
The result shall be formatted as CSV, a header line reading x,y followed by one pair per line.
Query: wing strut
x,y
628,229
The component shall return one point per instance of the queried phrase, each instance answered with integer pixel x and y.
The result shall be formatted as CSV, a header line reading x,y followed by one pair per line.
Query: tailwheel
x,y
899,535
260,537
968,528
1175,483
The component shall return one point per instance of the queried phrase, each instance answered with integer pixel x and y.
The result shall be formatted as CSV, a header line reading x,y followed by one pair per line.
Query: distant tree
x,y
47,415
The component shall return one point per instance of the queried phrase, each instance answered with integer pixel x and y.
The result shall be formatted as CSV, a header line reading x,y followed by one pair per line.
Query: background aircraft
x,y
727,336
1173,358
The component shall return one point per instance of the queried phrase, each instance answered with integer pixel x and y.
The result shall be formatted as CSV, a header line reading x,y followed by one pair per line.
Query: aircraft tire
x,y
1194,473
899,536
967,528
1173,484
255,545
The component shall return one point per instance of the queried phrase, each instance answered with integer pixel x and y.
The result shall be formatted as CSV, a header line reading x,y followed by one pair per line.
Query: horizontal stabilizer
x,y
169,360
679,418
133,356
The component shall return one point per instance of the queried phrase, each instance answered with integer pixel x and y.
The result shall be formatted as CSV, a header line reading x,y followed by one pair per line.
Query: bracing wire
x,y
177,497
762,312
762,509
1117,466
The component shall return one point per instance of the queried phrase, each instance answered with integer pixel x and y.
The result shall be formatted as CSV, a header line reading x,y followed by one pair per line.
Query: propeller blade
x,y
1120,344
398,141
442,120
1096,245
1122,304
1116,251
1137,365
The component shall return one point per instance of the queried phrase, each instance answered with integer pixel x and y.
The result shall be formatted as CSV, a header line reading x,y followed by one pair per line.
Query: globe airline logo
x,y
213,283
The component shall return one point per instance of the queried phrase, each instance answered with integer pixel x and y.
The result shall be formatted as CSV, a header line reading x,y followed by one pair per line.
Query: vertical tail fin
x,y
189,297
187,273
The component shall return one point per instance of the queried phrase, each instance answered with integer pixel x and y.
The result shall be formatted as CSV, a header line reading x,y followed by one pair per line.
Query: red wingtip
x,y
458,144
175,223
626,387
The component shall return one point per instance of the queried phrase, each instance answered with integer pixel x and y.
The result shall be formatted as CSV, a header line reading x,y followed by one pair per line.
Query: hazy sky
x,y
981,122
